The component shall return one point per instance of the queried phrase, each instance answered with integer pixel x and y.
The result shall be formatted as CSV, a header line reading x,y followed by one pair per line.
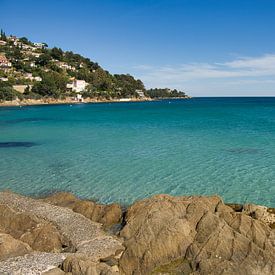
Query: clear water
x,y
126,151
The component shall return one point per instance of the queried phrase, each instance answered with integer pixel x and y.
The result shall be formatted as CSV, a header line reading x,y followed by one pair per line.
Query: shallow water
x,y
127,151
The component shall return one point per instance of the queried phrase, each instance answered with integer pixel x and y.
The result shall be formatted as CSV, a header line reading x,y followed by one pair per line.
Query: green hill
x,y
31,70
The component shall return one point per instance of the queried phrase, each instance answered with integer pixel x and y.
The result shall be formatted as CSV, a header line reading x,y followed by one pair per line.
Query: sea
x,y
122,152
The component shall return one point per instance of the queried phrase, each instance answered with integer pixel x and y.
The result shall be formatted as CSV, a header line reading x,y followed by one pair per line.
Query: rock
x,y
235,206
83,236
84,266
45,237
198,235
27,227
10,247
54,271
64,199
35,263
260,213
107,215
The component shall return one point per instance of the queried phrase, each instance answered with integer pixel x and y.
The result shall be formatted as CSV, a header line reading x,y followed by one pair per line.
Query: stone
x,y
39,234
78,265
35,263
261,213
10,247
55,271
198,235
82,236
107,215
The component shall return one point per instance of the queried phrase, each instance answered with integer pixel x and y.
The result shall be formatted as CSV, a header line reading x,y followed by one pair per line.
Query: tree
x,y
25,40
43,59
56,53
3,35
53,84
8,93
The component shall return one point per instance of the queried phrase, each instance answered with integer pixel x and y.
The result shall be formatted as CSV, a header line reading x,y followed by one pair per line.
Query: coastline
x,y
51,101
61,233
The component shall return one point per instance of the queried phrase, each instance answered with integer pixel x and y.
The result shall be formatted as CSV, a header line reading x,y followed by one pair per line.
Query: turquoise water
x,y
126,151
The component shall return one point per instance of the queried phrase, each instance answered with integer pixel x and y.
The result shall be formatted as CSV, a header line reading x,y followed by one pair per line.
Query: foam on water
x,y
127,151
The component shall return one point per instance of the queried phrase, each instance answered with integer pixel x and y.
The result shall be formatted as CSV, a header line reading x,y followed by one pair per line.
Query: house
x,y
32,64
77,86
4,62
39,45
65,66
79,98
140,93
32,78
3,43
21,88
12,38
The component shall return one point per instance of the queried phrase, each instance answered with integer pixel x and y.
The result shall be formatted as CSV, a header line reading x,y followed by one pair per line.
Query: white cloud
x,y
243,71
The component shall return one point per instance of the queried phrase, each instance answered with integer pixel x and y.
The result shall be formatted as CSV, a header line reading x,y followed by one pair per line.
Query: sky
x,y
203,47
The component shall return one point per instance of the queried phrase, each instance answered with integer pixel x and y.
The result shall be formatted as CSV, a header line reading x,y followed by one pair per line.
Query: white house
x,y
4,62
77,86
39,45
3,43
140,93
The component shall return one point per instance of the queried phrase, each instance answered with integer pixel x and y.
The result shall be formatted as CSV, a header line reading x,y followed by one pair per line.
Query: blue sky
x,y
205,47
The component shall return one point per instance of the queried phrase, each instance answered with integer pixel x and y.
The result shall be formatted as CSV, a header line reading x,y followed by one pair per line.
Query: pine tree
x,y
3,35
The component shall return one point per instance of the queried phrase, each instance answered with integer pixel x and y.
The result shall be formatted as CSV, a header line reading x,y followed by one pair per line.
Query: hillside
x,y
30,70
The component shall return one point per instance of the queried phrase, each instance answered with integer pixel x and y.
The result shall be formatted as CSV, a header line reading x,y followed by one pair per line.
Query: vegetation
x,y
164,93
47,71
7,92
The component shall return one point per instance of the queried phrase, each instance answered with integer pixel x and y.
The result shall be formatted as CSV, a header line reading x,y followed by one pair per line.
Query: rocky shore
x,y
61,234
52,101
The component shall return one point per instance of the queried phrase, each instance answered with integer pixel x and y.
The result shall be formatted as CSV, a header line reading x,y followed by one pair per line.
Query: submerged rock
x,y
198,235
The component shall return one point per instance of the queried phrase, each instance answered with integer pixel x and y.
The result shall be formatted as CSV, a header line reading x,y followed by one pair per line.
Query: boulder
x,y
79,265
27,227
199,235
10,247
261,213
107,215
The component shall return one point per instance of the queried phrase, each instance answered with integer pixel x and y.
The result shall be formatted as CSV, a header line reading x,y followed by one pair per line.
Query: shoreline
x,y
50,101
61,233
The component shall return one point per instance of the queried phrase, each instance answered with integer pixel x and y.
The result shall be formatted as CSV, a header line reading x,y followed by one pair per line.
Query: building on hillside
x,y
140,93
4,62
32,64
12,38
65,66
4,79
3,43
39,45
77,86
32,78
21,88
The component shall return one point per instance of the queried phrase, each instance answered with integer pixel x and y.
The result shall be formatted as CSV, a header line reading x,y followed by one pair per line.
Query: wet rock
x,y
199,234
10,247
236,206
107,215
